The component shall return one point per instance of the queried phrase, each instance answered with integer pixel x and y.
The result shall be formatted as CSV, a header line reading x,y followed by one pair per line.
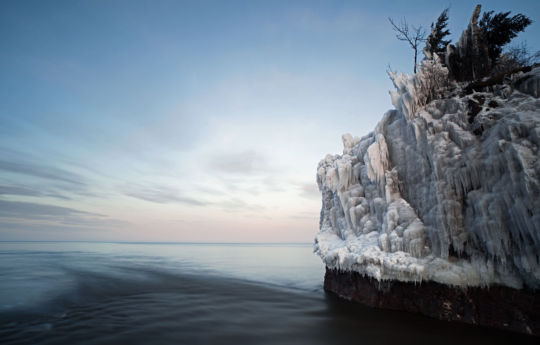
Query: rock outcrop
x,y
444,191
498,306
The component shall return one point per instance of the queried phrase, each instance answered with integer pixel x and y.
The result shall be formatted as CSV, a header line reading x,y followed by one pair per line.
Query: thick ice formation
x,y
447,191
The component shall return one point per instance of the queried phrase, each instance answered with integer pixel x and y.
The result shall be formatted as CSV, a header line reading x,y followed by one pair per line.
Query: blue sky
x,y
191,120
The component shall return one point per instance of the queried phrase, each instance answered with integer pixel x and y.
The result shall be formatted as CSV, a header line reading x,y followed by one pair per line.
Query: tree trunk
x,y
415,53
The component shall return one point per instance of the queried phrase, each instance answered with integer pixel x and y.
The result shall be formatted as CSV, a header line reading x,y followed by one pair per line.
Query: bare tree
x,y
412,35
515,57
523,56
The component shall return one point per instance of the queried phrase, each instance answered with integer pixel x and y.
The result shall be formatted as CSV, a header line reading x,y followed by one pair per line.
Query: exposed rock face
x,y
447,193
501,307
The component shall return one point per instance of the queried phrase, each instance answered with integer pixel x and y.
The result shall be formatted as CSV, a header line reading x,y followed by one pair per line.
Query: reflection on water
x,y
107,293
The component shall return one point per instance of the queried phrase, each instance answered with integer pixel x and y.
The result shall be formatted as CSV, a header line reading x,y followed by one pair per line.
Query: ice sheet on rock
x,y
435,193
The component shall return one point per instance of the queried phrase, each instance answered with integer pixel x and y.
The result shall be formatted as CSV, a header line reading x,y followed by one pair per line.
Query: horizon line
x,y
145,242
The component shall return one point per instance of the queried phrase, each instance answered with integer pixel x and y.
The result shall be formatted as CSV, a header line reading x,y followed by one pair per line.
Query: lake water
x,y
179,293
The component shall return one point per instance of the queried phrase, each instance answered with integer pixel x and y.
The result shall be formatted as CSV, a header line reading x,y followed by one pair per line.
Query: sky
x,y
191,121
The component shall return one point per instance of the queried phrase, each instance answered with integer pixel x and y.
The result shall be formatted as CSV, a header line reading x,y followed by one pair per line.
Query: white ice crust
x,y
435,193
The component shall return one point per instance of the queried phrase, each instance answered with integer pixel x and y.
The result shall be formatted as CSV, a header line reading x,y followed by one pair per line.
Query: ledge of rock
x,y
496,306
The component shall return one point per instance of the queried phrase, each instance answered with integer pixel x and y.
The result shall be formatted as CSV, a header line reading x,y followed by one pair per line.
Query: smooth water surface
x,y
161,293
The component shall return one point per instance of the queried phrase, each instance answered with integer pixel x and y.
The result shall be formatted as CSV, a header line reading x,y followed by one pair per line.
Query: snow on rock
x,y
447,192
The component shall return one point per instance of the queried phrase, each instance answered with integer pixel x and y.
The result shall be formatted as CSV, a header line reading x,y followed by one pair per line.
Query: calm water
x,y
144,293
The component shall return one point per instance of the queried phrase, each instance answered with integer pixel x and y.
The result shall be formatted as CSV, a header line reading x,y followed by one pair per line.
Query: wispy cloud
x,y
239,163
17,190
28,215
160,195
166,194
236,204
209,190
23,174
235,185
29,191
309,190
42,171
30,210
43,230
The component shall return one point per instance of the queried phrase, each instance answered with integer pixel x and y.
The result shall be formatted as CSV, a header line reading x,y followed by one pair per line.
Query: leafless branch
x,y
402,30
410,34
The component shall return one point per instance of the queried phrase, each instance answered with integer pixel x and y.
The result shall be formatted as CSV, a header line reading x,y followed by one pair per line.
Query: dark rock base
x,y
496,306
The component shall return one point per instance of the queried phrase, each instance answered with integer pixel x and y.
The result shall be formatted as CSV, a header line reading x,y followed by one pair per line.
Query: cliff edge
x,y
444,191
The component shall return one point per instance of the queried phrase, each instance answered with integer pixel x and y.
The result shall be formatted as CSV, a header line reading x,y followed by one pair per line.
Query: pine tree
x,y
435,42
499,30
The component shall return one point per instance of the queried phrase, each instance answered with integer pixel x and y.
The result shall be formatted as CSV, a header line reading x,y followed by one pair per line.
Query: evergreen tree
x,y
435,42
499,29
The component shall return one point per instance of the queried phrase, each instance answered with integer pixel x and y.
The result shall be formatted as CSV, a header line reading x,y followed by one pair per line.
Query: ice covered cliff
x,y
447,192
